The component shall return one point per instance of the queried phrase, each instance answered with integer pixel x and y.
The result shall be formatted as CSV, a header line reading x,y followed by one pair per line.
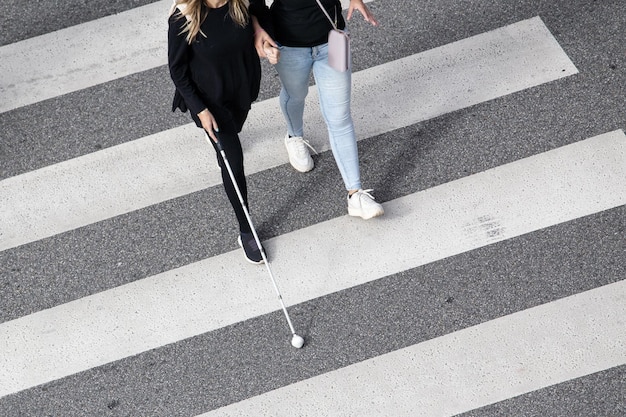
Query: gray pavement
x,y
249,358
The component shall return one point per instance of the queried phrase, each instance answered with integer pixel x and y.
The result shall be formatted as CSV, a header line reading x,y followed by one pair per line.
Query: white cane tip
x,y
297,341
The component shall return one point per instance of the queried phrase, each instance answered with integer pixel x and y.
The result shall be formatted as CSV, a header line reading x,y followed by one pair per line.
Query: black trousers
x,y
230,124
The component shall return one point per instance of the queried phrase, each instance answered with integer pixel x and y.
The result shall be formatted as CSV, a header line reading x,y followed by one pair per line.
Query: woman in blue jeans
x,y
299,29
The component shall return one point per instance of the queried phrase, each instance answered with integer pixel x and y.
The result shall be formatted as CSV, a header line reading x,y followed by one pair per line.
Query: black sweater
x,y
299,23
220,72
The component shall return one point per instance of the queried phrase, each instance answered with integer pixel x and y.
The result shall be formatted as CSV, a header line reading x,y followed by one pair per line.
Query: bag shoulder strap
x,y
327,15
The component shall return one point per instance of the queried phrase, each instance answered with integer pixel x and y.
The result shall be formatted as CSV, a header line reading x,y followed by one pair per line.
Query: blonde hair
x,y
192,11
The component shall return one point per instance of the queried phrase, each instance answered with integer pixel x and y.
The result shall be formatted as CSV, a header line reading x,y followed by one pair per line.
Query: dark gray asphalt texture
x,y
252,357
249,358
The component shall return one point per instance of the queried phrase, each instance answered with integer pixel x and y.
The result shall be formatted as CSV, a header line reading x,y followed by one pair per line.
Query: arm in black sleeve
x,y
178,61
259,9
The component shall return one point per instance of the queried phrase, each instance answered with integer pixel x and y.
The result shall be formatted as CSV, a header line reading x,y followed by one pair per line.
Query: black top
x,y
301,23
220,71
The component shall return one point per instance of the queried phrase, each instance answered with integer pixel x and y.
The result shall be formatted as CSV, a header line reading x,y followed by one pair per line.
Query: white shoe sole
x,y
246,256
357,213
301,168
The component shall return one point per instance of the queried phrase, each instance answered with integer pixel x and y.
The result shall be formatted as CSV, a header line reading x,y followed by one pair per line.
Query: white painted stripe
x,y
468,369
514,199
84,55
176,162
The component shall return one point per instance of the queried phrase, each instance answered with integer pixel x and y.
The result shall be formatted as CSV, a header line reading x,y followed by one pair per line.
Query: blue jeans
x,y
334,87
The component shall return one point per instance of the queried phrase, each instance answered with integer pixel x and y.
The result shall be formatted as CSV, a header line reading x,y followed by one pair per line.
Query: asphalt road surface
x,y
491,131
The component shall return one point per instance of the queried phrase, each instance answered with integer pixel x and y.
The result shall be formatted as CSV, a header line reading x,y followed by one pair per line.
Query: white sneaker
x,y
299,156
362,204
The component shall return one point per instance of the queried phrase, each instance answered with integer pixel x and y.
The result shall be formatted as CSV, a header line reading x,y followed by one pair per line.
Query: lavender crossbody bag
x,y
338,45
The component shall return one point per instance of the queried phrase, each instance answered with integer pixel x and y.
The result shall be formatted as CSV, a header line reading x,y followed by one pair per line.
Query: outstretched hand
x,y
359,6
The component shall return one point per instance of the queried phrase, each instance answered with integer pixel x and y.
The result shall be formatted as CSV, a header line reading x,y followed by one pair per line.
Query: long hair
x,y
195,15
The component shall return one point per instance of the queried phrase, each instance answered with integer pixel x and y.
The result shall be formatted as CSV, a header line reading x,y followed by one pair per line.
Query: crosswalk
x,y
166,165
499,359
124,294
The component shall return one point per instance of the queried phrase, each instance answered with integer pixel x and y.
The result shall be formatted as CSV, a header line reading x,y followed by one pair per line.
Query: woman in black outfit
x,y
216,70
